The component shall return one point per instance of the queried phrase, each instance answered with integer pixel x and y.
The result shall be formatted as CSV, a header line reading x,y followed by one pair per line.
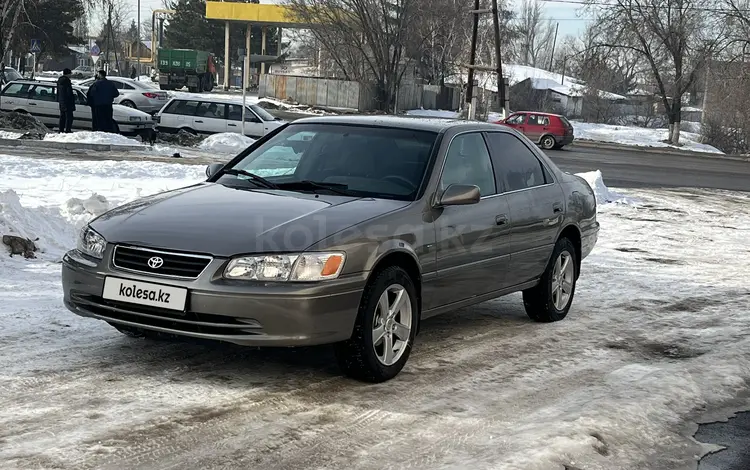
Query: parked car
x,y
134,94
549,131
83,72
11,74
344,230
215,115
39,99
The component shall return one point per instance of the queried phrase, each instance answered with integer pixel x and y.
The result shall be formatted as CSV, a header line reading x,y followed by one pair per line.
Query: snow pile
x,y
10,135
80,211
56,235
601,192
90,137
638,136
227,142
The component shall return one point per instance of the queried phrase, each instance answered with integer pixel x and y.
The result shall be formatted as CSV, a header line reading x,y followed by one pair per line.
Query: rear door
x,y
473,241
15,96
210,118
43,104
179,115
535,126
82,114
536,201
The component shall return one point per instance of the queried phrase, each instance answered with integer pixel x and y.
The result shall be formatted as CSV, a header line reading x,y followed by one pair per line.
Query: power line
x,y
650,7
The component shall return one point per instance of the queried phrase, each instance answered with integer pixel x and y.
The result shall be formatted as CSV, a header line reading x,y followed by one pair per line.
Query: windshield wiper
x,y
255,178
338,188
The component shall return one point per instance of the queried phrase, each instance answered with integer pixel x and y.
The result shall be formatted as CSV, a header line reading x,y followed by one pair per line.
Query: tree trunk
x,y
674,120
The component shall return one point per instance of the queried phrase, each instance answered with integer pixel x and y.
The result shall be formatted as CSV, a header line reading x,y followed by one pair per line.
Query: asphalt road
x,y
633,168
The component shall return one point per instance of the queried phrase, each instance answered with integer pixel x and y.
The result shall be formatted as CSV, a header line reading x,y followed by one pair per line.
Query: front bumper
x,y
250,314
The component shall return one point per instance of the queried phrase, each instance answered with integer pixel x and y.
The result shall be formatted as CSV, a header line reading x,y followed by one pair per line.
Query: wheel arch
x,y
407,260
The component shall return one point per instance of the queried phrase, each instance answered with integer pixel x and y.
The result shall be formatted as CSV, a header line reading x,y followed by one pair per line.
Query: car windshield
x,y
11,74
262,113
360,161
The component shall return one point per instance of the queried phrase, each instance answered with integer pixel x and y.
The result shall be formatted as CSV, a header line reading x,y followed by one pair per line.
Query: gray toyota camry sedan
x,y
343,230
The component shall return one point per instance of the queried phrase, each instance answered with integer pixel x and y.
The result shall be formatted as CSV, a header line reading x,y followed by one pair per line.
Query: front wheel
x,y
548,142
385,329
550,300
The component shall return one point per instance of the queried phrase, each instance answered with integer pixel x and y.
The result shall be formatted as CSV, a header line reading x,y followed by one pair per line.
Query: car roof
x,y
401,122
215,99
538,113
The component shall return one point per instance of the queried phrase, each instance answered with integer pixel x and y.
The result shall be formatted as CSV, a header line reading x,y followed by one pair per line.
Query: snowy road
x,y
658,335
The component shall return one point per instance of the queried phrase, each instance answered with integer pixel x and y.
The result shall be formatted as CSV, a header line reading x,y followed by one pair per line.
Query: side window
x,y
533,120
171,107
80,99
468,162
183,108
20,90
515,164
517,119
211,110
544,120
235,114
117,83
127,86
43,93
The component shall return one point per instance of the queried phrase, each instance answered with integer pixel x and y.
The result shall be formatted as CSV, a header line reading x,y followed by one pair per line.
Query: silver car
x,y
135,94
344,230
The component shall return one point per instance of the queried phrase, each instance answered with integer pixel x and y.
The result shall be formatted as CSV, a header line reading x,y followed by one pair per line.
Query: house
x,y
74,56
145,51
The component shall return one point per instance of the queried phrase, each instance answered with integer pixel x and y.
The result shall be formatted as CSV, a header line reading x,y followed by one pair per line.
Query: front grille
x,y
172,264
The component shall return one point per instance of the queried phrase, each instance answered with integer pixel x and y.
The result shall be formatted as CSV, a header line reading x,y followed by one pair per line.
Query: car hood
x,y
224,221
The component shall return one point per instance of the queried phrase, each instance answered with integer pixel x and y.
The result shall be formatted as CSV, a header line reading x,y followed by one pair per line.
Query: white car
x,y
134,94
203,115
39,99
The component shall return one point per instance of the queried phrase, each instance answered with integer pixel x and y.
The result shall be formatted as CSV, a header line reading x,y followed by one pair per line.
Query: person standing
x,y
66,100
102,94
91,101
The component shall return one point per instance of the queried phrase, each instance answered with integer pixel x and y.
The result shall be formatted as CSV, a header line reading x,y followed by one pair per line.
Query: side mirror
x,y
213,168
459,195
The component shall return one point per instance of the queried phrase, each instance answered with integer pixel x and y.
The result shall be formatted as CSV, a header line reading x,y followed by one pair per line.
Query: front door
x,y
253,124
473,241
537,205
517,121
43,104
82,114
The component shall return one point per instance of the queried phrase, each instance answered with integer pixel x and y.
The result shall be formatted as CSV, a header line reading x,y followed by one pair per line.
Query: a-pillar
x,y
263,50
246,77
227,57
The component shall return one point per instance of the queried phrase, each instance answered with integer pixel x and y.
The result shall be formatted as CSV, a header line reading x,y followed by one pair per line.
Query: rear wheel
x,y
548,142
129,104
385,329
550,300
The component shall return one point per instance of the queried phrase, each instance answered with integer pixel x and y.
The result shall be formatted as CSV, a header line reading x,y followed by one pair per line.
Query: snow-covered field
x,y
656,337
625,135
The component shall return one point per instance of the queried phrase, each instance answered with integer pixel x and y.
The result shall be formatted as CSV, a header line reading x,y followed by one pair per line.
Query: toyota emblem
x,y
155,262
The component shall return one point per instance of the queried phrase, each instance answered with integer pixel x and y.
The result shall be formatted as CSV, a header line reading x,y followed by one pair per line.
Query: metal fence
x,y
333,93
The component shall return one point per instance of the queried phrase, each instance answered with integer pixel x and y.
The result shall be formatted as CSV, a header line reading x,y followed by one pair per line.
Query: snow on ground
x,y
226,143
656,336
640,136
625,135
90,137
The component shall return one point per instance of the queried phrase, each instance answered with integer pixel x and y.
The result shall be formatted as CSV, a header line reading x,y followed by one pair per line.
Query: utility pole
x,y
138,47
472,66
554,43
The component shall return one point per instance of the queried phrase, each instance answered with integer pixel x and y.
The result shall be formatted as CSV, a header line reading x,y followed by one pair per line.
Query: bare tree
x,y
675,38
444,30
13,13
365,38
535,34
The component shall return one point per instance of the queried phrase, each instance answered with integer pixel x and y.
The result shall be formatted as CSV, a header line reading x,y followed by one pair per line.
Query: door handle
x,y
501,219
32,104
201,122
232,125
557,208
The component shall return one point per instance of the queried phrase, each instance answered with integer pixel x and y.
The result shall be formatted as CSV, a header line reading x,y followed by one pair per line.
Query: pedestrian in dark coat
x,y
67,101
92,104
102,94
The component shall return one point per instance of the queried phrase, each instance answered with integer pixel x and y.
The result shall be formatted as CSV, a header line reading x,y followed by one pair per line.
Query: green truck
x,y
189,68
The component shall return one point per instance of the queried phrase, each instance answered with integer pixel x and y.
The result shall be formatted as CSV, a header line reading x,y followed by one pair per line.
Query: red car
x,y
549,131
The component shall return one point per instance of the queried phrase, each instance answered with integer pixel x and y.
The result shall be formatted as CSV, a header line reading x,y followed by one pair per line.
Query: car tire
x,y
550,300
129,104
363,358
548,142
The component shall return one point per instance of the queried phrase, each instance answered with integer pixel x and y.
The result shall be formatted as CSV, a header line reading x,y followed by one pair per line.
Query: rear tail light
x,y
153,96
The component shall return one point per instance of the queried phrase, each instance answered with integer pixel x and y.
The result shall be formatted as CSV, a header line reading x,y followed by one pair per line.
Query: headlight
x,y
135,118
91,243
294,267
